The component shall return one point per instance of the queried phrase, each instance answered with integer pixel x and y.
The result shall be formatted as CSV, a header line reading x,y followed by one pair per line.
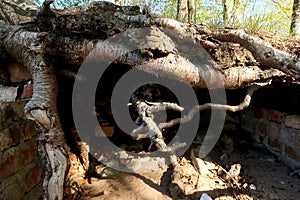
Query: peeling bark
x,y
295,23
262,51
227,11
69,35
8,93
197,108
26,47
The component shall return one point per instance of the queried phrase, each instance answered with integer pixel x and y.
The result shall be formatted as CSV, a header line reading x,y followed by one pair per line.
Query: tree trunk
x,y
295,24
237,13
185,10
69,35
191,10
120,2
227,11
182,10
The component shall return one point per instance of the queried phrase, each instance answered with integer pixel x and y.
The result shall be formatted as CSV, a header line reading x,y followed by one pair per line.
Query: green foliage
x,y
256,15
170,9
272,16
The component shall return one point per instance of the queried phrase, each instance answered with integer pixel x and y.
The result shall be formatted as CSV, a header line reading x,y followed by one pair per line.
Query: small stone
x,y
202,166
205,196
293,121
252,187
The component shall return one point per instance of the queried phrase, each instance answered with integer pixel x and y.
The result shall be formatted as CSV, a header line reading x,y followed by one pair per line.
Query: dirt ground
x,y
245,172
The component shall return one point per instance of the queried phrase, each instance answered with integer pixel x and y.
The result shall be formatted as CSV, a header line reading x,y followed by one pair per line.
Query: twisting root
x,y
149,129
198,108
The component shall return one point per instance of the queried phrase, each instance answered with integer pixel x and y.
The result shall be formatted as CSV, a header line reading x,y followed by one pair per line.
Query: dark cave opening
x,y
269,97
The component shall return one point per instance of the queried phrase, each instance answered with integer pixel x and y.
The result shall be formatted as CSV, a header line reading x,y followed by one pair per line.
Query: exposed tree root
x,y
25,47
197,108
149,129
262,51
70,35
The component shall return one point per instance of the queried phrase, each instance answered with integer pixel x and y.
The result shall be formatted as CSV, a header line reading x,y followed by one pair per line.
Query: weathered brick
x,y
277,130
14,159
5,140
275,115
270,128
35,193
293,152
287,137
29,130
19,174
6,116
18,72
263,127
11,137
32,177
11,112
275,144
249,123
11,192
292,121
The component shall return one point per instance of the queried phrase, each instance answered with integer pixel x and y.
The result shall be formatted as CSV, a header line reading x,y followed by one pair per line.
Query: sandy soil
x,y
261,176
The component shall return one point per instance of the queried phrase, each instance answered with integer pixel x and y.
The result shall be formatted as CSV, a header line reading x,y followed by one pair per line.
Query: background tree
x,y
227,11
251,15
120,2
191,10
295,24
67,36
237,13
182,10
185,10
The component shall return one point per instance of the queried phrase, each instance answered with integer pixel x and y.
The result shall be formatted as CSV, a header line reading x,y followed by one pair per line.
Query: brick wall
x,y
278,131
20,175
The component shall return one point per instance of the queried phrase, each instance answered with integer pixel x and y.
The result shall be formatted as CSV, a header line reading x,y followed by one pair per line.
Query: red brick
x,y
293,121
32,178
275,144
263,127
293,152
287,137
12,191
270,128
16,158
275,115
27,91
29,130
18,72
5,140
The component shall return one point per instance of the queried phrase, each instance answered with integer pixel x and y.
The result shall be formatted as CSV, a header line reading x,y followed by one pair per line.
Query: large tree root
x,y
27,44
26,48
262,51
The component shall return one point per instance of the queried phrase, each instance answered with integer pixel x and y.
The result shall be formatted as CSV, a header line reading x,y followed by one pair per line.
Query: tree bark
x,y
185,10
69,35
182,10
191,10
227,11
26,47
120,2
237,13
295,24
